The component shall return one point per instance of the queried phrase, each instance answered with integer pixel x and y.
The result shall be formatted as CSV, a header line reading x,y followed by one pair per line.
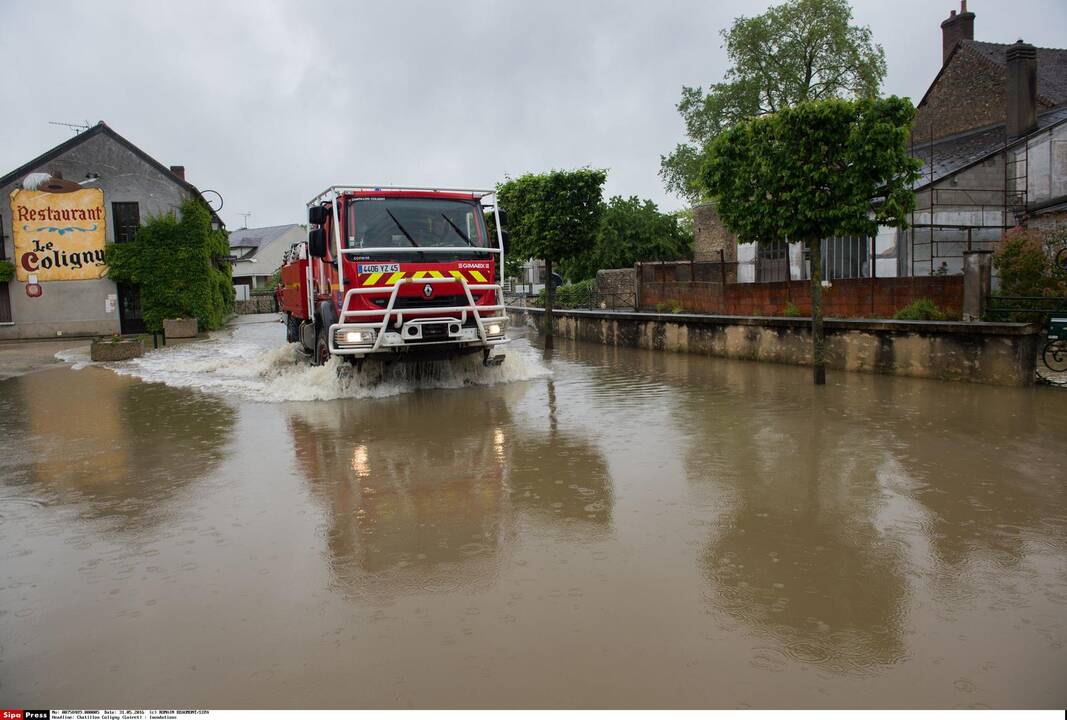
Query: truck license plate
x,y
378,268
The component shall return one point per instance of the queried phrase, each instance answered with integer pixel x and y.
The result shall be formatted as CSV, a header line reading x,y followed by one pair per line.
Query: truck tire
x,y
322,350
292,328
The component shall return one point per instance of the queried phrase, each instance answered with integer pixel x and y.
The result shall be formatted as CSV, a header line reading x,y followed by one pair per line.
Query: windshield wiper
x,y
406,233
458,231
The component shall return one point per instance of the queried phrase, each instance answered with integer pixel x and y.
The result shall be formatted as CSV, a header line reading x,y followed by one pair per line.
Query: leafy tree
x,y
553,216
817,170
181,266
798,51
631,230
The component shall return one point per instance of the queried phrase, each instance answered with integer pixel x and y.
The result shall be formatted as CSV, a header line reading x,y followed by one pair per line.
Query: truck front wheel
x,y
322,350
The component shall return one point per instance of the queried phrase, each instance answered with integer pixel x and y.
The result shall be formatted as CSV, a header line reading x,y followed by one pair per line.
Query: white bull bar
x,y
348,319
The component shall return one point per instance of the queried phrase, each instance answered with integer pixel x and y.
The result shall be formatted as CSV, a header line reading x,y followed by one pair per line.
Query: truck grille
x,y
414,303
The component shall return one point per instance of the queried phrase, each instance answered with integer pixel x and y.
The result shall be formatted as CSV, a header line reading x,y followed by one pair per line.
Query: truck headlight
x,y
347,338
494,329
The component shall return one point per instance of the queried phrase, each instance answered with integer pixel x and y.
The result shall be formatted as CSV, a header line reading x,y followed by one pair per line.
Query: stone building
x,y
59,212
991,132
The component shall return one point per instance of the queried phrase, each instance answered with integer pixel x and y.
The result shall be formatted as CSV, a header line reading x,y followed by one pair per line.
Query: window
x,y
415,222
127,218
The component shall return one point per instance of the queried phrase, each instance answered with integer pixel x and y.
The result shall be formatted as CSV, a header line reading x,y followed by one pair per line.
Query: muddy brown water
x,y
622,529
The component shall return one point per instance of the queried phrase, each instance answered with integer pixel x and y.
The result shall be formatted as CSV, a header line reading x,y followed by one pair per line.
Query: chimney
x,y
956,28
1021,89
178,170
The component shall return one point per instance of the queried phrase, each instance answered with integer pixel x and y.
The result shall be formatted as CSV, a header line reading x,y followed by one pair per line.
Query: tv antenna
x,y
245,215
77,128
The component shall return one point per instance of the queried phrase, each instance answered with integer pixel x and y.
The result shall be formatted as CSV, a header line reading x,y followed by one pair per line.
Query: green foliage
x,y
791,310
921,309
573,295
631,230
1025,263
795,52
671,306
815,171
7,271
180,265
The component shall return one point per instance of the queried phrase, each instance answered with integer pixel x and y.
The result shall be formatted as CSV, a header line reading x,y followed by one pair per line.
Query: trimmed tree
x,y
553,216
818,170
798,51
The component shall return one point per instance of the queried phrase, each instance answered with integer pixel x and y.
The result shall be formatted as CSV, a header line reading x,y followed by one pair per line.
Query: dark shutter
x,y
5,298
127,218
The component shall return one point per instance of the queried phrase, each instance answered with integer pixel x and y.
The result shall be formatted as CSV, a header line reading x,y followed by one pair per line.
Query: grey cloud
x,y
269,102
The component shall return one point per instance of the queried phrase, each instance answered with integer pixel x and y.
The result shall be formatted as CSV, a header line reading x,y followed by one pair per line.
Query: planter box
x,y
183,328
108,351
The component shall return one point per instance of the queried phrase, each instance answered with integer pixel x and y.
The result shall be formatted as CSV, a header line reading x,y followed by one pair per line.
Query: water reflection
x,y
115,447
411,484
830,503
423,492
559,474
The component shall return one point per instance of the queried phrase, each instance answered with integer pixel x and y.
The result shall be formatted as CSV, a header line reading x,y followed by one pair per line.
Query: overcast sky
x,y
270,102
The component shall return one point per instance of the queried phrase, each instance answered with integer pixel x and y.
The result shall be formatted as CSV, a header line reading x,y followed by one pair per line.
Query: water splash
x,y
254,362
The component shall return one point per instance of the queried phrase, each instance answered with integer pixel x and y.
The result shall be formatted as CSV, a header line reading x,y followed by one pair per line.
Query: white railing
x,y
395,316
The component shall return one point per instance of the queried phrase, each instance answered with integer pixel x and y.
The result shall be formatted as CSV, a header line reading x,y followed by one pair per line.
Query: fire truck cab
x,y
397,273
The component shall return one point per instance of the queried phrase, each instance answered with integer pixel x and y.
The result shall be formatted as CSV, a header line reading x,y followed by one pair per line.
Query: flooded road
x,y
219,525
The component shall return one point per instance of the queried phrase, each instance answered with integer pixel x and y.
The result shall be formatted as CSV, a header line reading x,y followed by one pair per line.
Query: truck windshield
x,y
415,222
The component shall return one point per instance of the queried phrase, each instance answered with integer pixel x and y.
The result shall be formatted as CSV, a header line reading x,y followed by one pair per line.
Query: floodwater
x,y
218,525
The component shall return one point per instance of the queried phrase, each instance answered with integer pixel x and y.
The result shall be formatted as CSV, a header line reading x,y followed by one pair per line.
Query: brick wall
x,y
863,298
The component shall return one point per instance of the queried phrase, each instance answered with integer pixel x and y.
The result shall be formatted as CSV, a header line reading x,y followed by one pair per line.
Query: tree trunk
x,y
550,299
818,345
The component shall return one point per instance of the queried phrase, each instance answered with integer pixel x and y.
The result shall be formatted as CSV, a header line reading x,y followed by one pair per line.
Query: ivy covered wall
x,y
181,266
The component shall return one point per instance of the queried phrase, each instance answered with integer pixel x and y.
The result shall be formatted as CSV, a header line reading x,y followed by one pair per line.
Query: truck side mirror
x,y
317,215
506,238
317,243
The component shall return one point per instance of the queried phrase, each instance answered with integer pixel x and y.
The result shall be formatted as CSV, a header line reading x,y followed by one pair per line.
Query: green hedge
x,y
181,266
573,295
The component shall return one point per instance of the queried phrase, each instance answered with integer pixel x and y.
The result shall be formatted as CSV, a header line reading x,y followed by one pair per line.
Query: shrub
x,y
574,295
671,306
921,309
1025,264
7,271
791,310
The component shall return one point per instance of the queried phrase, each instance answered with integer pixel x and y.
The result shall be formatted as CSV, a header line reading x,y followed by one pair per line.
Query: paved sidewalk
x,y
18,357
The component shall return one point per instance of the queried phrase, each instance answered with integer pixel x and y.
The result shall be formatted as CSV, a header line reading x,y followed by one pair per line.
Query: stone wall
x,y
255,305
710,235
969,93
617,288
861,298
992,353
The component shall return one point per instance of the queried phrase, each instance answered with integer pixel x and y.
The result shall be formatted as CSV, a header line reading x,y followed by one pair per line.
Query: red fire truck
x,y
397,273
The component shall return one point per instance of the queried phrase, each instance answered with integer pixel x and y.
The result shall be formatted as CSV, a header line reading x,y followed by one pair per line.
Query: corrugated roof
x,y
1051,67
948,155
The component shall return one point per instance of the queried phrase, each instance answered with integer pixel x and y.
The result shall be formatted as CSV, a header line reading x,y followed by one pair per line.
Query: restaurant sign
x,y
58,235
